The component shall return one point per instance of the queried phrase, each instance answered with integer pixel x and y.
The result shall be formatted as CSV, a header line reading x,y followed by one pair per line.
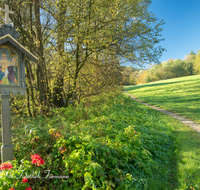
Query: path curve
x,y
184,120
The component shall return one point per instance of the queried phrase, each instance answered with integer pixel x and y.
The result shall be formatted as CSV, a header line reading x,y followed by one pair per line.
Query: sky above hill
x,y
182,26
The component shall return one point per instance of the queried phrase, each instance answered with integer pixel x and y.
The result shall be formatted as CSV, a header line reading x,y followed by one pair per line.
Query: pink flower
x,y
35,156
6,165
24,180
11,189
36,159
28,188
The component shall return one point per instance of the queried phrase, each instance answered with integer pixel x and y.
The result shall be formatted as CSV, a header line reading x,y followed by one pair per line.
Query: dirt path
x,y
184,120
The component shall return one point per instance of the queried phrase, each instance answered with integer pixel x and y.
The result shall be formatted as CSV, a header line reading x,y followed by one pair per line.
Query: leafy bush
x,y
115,145
167,70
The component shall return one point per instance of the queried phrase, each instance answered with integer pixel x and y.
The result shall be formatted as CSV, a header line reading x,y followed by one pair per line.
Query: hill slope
x,y
179,95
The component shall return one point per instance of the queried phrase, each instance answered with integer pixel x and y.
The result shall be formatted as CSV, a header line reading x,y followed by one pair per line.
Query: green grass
x,y
186,159
179,95
117,143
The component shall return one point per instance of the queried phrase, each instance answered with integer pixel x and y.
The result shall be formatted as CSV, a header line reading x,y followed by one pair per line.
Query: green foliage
x,y
166,70
129,75
197,63
107,146
80,45
170,69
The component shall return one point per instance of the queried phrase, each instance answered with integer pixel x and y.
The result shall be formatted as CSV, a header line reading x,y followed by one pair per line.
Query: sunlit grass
x,y
188,157
179,95
184,162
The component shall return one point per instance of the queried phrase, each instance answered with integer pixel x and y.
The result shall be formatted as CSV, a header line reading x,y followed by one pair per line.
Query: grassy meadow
x,y
110,143
179,95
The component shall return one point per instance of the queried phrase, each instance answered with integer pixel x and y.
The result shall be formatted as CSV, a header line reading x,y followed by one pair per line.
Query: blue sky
x,y
182,26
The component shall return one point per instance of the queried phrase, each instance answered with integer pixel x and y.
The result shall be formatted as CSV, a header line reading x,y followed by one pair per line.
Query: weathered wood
x,y
7,148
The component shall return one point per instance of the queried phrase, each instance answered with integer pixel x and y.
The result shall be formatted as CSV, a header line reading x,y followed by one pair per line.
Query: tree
x,y
80,44
197,63
189,63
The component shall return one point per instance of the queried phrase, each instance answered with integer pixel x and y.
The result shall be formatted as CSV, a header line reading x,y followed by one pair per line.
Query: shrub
x,y
108,146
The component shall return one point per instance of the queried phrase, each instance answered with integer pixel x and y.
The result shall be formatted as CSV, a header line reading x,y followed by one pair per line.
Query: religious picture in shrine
x,y
8,67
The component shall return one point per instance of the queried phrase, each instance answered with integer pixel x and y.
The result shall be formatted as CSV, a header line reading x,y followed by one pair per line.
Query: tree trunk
x,y
41,69
58,100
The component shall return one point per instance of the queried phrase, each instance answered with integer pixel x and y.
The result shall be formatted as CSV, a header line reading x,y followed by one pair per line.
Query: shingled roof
x,y
9,34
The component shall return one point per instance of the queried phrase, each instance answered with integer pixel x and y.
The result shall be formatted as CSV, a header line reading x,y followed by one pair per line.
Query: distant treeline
x,y
190,65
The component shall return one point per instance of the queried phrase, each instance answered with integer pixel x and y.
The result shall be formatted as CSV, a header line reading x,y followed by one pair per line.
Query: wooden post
x,y
7,148
8,35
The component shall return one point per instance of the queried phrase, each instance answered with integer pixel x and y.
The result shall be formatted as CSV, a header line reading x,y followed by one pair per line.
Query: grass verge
x,y
179,95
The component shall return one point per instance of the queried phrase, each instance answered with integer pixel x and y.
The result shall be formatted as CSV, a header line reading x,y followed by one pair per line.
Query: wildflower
x,y
51,131
36,159
11,189
6,165
24,180
35,156
28,188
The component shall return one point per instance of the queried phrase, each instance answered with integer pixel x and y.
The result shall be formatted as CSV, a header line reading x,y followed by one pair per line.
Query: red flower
x,y
35,156
24,180
11,189
42,162
6,165
36,159
28,188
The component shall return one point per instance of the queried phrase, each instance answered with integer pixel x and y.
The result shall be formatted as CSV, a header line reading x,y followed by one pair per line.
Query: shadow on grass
x,y
168,181
184,159
187,155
